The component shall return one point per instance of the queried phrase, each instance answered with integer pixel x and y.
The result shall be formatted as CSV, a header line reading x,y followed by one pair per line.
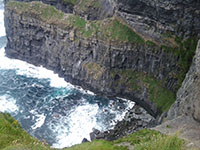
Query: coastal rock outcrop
x,y
138,50
66,6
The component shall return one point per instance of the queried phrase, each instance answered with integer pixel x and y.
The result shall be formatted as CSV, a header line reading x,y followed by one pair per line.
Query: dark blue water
x,y
48,107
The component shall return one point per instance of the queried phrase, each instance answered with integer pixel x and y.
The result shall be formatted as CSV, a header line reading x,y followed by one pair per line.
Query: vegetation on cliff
x,y
13,137
74,2
102,29
138,81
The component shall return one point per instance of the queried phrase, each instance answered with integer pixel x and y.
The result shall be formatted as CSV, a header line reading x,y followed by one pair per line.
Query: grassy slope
x,y
13,137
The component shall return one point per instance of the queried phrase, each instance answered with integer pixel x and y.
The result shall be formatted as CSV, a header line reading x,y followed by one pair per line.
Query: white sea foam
x,y
80,123
71,130
40,119
8,104
120,116
29,70
2,28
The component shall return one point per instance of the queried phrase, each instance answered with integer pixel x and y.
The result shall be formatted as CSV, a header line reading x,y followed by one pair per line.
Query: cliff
x,y
184,114
157,18
106,56
188,96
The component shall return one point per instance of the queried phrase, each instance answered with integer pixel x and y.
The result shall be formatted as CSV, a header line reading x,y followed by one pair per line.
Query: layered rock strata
x,y
106,65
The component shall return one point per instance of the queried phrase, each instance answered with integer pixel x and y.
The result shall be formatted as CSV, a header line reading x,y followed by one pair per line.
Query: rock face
x,y
184,115
188,96
91,10
105,67
152,18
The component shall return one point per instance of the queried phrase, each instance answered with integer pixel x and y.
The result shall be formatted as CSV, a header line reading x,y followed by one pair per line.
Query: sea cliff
x,y
138,50
106,56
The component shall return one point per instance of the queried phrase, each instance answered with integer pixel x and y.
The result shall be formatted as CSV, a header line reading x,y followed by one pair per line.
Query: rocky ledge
x,y
93,55
135,119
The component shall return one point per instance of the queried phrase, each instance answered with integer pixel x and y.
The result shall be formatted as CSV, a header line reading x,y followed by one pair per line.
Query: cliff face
x,y
104,63
184,115
188,96
155,18
106,56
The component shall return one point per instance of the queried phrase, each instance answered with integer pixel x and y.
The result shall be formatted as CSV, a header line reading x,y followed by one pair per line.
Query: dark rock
x,y
94,133
85,140
155,18
131,123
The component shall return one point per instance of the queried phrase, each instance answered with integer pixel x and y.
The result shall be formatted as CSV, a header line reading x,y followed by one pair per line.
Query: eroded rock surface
x,y
184,115
188,96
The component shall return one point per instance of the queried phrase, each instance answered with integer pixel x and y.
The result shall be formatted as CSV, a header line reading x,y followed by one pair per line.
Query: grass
x,y
117,30
73,2
135,81
85,4
37,10
13,137
153,140
142,140
97,145
184,52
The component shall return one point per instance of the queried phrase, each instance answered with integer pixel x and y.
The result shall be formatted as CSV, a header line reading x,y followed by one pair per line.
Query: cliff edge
x,y
184,115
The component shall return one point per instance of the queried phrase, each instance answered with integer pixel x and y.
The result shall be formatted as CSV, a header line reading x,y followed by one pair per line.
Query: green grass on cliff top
x,y
73,2
13,137
112,29
84,4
